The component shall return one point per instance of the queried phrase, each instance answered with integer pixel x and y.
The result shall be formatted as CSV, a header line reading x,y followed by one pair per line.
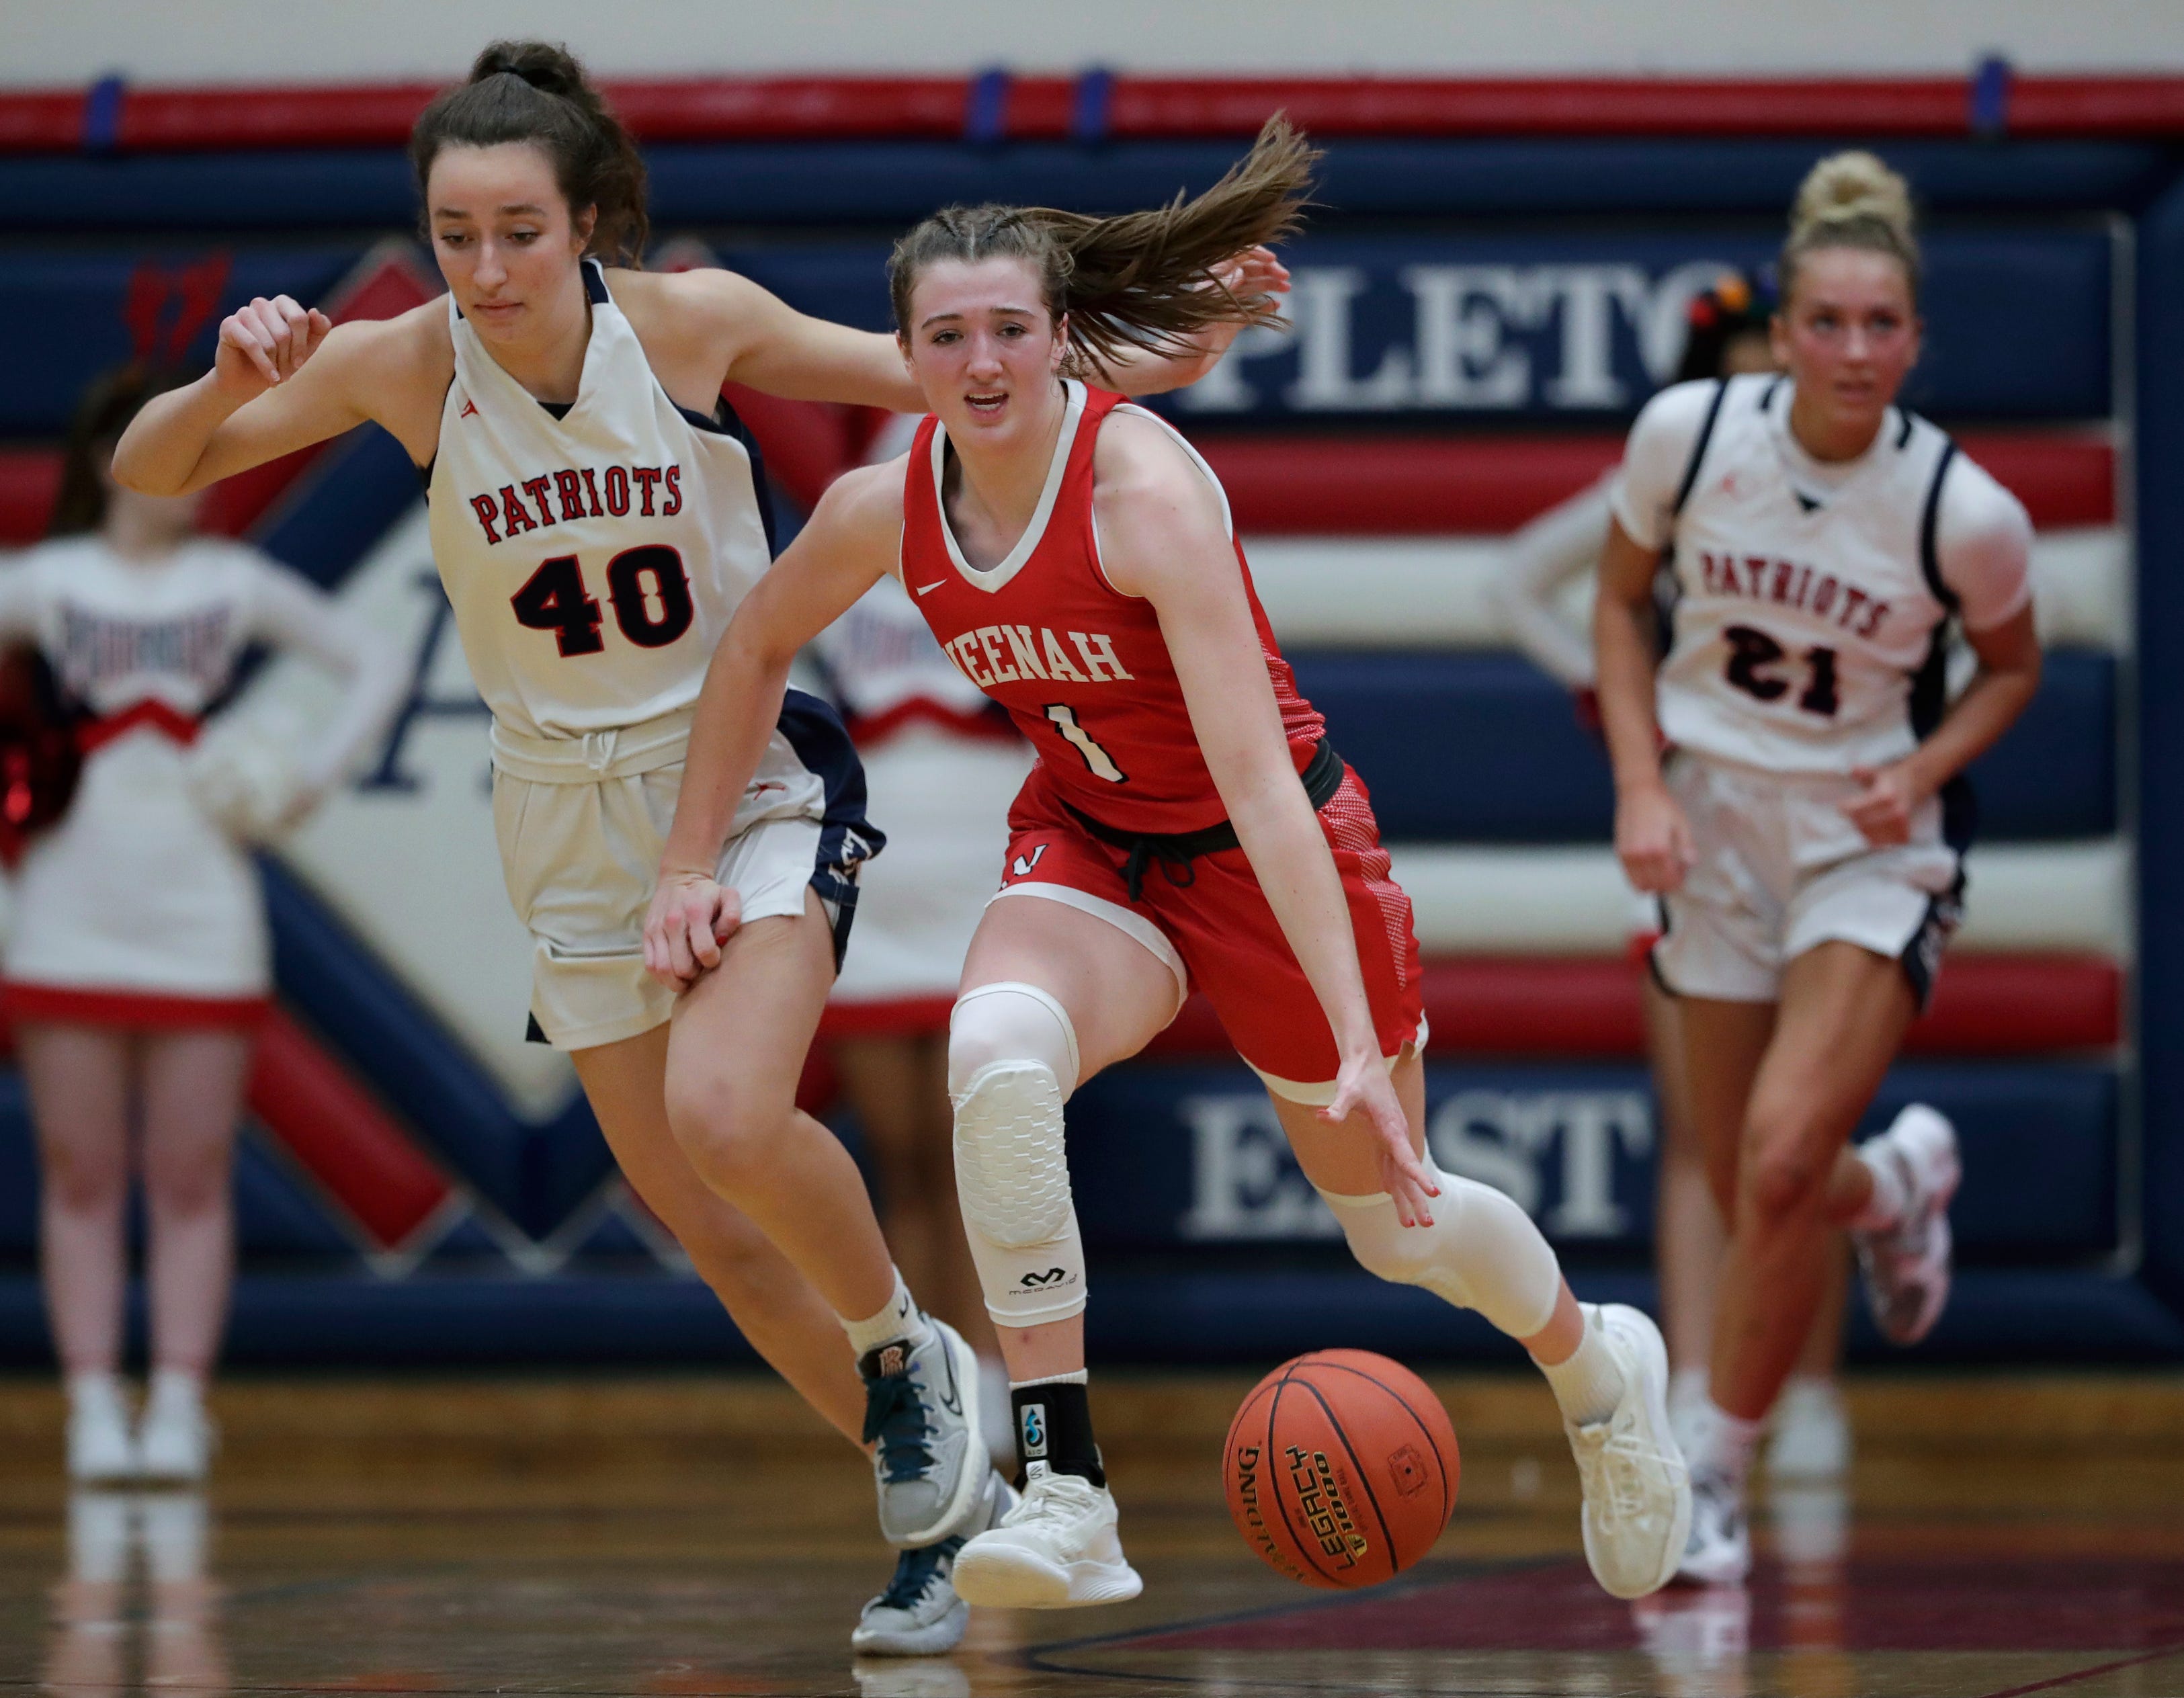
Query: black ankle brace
x,y
1054,1425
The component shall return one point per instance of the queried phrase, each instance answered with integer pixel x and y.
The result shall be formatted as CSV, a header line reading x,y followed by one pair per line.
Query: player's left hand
x,y
690,918
1363,1087
1253,275
1884,810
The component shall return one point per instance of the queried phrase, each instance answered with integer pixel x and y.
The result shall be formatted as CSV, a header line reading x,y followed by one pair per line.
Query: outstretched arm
x,y
1162,538
852,539
283,378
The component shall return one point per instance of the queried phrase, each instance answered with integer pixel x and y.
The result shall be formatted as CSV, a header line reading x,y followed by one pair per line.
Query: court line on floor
x,y
2049,1685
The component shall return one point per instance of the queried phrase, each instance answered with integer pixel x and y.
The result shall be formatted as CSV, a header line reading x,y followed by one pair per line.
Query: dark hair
x,y
535,92
1142,279
1732,306
101,416
1851,200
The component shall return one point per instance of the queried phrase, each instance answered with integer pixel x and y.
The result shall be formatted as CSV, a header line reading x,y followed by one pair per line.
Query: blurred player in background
x,y
596,516
1725,335
941,764
1187,822
1807,826
137,962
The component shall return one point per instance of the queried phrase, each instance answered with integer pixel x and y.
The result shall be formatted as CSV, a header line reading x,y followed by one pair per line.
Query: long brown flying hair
x,y
1141,280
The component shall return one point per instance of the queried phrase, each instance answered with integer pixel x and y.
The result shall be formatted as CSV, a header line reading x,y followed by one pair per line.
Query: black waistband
x,y
1175,851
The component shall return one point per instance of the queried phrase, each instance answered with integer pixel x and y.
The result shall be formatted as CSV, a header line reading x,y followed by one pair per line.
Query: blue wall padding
x,y
1175,1157
896,183
75,300
1485,747
348,503
1981,288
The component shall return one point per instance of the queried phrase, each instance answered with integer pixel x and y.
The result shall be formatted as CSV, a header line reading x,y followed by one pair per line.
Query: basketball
x,y
1341,1469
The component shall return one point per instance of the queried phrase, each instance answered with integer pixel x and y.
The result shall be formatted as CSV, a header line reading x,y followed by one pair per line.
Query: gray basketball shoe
x,y
921,1419
919,1614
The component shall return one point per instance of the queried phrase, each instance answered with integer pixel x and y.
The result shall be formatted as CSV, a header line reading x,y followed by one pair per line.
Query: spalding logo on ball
x,y
1341,1468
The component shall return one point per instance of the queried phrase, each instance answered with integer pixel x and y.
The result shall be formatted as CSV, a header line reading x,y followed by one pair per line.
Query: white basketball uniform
x,y
1808,641
594,555
942,764
139,907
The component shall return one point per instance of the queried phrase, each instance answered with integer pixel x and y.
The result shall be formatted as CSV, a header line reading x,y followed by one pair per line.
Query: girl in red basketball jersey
x,y
1186,822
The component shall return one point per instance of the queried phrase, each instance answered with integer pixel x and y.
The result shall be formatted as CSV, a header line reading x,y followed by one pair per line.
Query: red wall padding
x,y
1985,1006
734,108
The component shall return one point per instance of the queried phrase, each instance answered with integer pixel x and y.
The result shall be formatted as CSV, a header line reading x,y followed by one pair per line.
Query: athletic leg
x,y
1689,1231
735,1052
79,1078
773,1305
1842,1017
1051,993
193,1085
1607,1367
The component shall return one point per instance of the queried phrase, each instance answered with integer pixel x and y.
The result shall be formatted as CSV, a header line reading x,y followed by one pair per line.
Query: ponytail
x,y
1851,200
535,92
1139,280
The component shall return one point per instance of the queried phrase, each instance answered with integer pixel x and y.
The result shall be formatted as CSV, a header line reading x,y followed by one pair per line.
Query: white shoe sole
x,y
1653,1367
1015,1579
971,1485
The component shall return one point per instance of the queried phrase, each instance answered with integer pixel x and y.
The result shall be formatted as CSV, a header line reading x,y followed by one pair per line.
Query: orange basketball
x,y
1341,1468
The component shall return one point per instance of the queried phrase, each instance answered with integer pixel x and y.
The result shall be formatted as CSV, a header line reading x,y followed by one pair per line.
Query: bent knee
x,y
1009,1020
80,1185
1783,1173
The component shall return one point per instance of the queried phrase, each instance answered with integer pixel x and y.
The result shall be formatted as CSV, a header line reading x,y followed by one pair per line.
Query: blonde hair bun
x,y
1851,188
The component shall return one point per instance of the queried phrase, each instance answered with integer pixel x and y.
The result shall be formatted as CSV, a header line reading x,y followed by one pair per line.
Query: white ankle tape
x,y
1012,1179
1482,1252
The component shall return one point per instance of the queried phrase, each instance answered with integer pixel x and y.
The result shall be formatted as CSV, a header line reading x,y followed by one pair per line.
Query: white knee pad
x,y
1012,1062
1482,1251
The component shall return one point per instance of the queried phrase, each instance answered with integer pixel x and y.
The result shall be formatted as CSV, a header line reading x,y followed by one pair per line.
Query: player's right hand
x,y
690,918
264,343
1652,838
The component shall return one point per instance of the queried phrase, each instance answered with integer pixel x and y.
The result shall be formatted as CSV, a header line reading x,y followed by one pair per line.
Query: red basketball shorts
x,y
1218,933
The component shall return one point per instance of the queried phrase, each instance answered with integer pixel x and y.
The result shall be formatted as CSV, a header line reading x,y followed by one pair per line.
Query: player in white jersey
x,y
137,960
1725,334
1806,826
596,516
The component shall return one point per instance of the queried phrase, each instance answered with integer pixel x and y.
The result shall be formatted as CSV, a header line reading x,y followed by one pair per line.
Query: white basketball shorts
x,y
1780,869
581,855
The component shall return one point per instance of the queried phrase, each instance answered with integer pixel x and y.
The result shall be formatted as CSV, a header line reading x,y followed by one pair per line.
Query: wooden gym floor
x,y
686,1537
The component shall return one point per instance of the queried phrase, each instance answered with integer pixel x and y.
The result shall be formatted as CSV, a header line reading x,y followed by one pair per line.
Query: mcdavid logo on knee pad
x,y
1052,1276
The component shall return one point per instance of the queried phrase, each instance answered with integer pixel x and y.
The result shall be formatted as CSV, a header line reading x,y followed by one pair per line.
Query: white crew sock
x,y
1687,1388
901,1321
1588,1385
1890,1194
1726,1444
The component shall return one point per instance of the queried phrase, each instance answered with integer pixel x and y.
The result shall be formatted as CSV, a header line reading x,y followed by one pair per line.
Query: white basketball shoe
x,y
1058,1548
1637,1490
920,1614
1906,1266
175,1443
101,1449
921,1419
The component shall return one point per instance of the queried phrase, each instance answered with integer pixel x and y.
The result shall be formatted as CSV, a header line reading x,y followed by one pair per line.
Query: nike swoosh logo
x,y
952,1399
927,589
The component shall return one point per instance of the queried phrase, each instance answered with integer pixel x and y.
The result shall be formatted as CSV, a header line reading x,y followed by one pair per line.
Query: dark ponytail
x,y
1143,279
102,415
535,92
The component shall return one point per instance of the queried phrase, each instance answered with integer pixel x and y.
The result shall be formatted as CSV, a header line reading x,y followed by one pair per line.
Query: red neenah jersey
x,y
1083,669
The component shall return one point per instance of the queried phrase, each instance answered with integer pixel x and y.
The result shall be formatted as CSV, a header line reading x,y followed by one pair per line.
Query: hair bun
x,y
547,66
1845,187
